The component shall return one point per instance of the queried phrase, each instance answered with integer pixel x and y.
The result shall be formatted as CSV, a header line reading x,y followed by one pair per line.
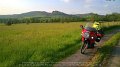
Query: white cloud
x,y
8,10
106,5
12,6
67,1
88,1
87,6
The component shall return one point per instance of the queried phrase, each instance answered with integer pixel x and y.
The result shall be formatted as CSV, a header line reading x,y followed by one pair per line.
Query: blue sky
x,y
67,6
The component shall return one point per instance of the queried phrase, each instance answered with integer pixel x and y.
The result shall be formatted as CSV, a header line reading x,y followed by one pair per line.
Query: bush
x,y
8,23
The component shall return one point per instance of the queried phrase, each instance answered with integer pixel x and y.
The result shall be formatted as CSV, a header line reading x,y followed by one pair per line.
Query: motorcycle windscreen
x,y
89,27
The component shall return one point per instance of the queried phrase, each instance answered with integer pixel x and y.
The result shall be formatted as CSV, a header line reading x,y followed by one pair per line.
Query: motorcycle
x,y
89,36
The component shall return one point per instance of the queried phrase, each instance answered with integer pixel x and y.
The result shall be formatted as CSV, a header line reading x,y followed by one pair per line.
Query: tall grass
x,y
110,26
36,43
105,50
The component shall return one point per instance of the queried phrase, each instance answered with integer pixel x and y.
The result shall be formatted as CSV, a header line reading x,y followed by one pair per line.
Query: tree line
x,y
27,20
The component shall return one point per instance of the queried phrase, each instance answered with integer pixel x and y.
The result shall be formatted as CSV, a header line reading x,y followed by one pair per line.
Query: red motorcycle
x,y
89,36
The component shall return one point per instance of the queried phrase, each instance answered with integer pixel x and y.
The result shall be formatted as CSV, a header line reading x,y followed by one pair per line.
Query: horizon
x,y
101,7
59,11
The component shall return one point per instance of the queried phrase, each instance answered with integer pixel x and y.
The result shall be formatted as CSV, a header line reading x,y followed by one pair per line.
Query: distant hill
x,y
28,14
45,14
36,14
84,15
87,14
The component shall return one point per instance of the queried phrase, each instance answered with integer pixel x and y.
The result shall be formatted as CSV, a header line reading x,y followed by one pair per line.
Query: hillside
x,y
37,14
45,14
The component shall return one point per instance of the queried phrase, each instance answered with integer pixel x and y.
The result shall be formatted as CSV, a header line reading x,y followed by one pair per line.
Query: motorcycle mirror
x,y
81,26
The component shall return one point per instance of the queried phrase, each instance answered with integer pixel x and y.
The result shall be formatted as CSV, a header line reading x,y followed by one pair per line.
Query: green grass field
x,y
39,42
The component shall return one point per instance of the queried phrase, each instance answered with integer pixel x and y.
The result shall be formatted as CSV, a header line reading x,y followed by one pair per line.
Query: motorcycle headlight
x,y
86,35
92,37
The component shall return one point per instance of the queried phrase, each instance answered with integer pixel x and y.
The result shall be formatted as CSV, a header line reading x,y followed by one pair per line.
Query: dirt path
x,y
114,60
80,60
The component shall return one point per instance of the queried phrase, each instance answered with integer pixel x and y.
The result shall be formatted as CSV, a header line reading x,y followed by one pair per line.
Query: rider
x,y
97,26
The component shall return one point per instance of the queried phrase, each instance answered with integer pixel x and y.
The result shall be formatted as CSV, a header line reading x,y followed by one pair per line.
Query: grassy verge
x,y
110,26
105,51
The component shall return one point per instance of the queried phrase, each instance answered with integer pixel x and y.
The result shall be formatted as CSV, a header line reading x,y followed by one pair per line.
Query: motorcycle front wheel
x,y
84,46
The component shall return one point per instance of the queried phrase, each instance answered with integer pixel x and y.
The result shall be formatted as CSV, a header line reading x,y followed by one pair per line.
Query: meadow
x,y
40,43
